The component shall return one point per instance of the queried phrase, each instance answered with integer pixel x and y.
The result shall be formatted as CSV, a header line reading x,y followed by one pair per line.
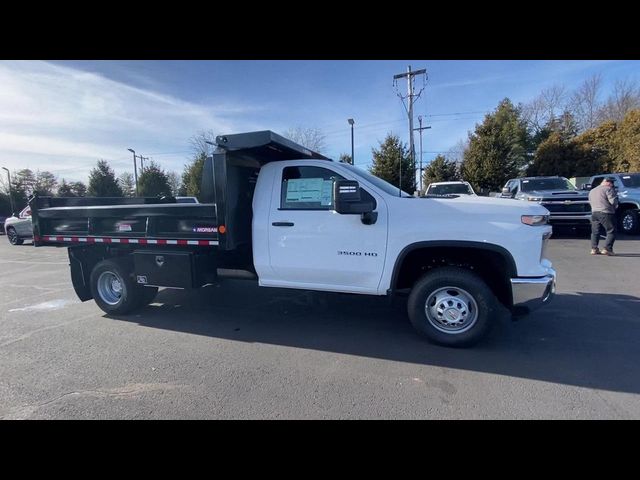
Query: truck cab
x,y
288,217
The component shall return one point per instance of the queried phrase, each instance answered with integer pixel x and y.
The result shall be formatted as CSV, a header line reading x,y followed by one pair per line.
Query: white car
x,y
19,228
187,200
450,188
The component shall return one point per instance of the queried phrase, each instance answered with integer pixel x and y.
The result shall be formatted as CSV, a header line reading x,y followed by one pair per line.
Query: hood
x,y
629,192
474,208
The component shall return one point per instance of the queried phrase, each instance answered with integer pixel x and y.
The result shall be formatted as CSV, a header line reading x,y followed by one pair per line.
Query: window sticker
x,y
304,190
327,192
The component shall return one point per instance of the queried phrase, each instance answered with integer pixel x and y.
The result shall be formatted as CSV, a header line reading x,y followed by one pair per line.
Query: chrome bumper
x,y
531,293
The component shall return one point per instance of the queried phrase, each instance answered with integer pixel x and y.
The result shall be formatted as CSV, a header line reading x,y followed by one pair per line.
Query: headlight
x,y
535,220
534,199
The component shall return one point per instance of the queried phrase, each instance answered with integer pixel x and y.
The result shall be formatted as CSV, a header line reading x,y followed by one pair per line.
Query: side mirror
x,y
585,186
346,198
506,193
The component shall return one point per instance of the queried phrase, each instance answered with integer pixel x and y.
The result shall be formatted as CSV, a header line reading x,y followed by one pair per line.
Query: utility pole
x,y
351,122
135,169
420,130
411,98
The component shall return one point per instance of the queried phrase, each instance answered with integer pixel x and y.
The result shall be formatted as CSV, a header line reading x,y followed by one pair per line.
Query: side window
x,y
307,188
596,181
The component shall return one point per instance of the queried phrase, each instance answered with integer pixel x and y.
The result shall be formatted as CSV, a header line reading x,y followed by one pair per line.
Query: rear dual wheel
x,y
114,289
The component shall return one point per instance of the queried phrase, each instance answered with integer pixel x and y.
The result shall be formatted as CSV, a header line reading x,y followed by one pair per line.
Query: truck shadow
x,y
584,339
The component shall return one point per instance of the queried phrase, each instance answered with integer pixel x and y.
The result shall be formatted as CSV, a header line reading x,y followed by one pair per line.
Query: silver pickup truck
x,y
566,204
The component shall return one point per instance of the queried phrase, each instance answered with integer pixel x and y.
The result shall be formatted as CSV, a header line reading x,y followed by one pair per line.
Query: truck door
x,y
312,246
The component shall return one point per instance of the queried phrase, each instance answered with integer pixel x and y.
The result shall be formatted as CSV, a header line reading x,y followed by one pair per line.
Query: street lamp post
x,y
135,169
10,196
351,122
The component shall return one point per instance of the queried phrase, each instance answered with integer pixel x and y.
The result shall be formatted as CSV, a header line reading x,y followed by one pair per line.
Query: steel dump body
x,y
179,223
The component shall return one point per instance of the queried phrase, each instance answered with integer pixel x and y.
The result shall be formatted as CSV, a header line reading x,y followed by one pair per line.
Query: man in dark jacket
x,y
604,201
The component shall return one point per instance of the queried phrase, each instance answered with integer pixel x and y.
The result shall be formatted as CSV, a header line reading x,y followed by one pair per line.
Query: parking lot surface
x,y
240,351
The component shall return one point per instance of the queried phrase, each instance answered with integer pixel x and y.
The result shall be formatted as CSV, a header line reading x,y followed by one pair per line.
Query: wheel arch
x,y
493,263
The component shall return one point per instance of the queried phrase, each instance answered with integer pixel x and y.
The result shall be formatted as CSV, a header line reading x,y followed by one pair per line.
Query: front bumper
x,y
530,294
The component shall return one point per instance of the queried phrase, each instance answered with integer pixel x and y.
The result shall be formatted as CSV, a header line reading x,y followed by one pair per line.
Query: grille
x,y
567,207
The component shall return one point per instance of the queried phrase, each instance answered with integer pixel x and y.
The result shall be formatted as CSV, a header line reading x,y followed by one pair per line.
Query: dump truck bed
x,y
55,221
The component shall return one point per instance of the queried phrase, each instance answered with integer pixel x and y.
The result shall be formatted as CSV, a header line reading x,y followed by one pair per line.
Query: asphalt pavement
x,y
238,351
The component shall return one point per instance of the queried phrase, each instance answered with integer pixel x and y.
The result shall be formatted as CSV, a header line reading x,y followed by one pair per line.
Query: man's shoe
x,y
595,251
608,253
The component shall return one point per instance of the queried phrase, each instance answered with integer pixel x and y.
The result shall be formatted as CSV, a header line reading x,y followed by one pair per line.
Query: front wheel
x,y
451,306
628,222
13,237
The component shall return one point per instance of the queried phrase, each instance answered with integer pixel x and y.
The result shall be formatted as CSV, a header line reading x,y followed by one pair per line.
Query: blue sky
x,y
63,116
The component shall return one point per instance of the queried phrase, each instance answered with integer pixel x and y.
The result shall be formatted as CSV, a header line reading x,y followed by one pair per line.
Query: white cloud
x,y
60,119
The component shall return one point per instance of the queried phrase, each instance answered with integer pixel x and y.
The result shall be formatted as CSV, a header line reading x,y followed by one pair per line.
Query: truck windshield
x,y
631,180
378,182
452,188
547,184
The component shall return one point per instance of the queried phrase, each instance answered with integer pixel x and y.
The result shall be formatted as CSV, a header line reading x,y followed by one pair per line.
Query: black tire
x,y
113,287
459,308
628,222
13,237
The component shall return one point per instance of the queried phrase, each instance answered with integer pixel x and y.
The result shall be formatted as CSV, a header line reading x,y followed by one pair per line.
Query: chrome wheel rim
x,y
110,288
13,236
627,222
451,310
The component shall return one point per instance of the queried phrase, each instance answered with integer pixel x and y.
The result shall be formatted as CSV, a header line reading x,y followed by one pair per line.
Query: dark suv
x,y
566,204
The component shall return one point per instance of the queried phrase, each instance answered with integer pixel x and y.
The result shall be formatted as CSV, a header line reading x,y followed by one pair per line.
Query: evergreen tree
x,y
45,183
72,189
557,156
102,181
64,190
497,149
153,182
79,189
22,186
5,205
439,170
599,147
192,177
628,141
387,161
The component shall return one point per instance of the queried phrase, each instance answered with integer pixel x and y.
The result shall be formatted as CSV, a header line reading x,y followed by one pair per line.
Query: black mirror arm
x,y
369,218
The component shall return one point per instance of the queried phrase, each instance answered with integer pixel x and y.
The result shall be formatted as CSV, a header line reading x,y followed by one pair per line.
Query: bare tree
x,y
127,184
456,153
625,97
174,182
584,104
548,105
312,138
198,142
